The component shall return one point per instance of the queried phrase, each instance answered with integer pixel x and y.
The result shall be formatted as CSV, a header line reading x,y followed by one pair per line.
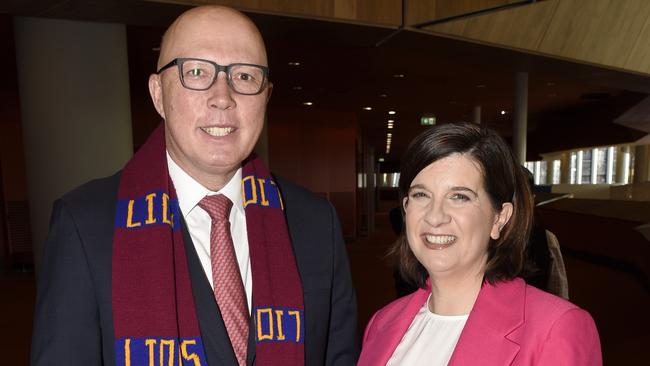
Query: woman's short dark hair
x,y
504,181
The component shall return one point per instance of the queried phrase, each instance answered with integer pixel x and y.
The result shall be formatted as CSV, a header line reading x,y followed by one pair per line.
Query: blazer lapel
x,y
394,325
490,336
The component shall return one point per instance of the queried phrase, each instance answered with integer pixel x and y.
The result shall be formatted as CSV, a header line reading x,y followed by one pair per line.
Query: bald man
x,y
193,254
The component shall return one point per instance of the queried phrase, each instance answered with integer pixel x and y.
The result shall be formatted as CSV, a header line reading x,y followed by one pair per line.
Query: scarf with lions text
x,y
154,315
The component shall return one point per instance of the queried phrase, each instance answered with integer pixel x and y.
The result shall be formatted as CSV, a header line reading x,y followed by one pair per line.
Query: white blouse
x,y
430,339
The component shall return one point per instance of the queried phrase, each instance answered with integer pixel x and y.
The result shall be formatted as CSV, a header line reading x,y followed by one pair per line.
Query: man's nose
x,y
436,214
221,93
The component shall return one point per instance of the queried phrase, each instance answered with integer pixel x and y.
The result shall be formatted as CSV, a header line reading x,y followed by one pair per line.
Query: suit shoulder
x,y
545,307
93,193
293,193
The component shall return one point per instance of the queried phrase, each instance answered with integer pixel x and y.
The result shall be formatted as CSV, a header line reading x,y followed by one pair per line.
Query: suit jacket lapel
x,y
393,329
216,343
491,334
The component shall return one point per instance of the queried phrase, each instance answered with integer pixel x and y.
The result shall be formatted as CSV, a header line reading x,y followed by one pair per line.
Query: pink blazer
x,y
511,324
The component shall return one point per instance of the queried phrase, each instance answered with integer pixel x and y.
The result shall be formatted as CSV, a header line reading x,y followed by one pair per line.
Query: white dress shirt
x,y
189,193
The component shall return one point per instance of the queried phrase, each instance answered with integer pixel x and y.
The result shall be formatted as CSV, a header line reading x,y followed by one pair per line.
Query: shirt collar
x,y
190,192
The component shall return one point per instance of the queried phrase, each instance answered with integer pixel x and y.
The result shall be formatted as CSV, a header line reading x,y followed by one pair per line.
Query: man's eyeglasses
x,y
198,74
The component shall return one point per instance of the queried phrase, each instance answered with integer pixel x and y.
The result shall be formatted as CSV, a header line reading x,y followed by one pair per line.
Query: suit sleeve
x,y
573,340
66,320
342,348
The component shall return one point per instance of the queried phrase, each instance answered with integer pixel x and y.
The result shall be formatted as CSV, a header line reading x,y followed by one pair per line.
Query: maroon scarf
x,y
153,307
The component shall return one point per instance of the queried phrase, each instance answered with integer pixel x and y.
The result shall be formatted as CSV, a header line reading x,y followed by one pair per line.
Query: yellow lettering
x,y
278,319
150,219
150,343
264,202
127,352
165,211
170,357
129,216
253,190
296,313
260,335
192,356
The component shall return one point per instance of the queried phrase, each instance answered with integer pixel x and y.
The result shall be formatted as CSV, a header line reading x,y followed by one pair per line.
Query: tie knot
x,y
217,206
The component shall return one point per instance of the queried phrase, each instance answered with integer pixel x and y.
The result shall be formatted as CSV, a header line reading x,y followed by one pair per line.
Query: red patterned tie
x,y
228,284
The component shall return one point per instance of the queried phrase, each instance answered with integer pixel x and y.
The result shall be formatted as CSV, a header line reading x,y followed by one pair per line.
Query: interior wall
x,y
74,98
316,149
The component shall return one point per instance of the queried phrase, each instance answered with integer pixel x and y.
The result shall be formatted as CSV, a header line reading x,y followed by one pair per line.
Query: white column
x,y
623,164
520,116
565,168
75,108
594,166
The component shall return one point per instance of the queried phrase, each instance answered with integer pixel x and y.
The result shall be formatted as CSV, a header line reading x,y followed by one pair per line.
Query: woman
x,y
468,212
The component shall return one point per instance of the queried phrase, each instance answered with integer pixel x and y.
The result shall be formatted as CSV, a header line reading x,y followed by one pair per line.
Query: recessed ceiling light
x,y
481,86
367,108
503,112
294,63
381,160
390,126
307,103
398,76
391,112
297,87
550,83
383,95
391,121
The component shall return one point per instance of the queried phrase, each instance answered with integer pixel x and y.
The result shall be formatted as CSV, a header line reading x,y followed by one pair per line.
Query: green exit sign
x,y
428,120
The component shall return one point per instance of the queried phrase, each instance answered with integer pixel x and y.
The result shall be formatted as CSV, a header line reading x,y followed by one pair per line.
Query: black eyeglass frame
x,y
225,68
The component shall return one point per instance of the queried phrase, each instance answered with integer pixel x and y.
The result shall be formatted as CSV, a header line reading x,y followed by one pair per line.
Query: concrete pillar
x,y
476,114
565,168
75,107
641,163
520,116
623,164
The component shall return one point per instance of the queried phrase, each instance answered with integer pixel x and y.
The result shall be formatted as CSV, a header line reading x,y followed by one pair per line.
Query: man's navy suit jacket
x,y
73,322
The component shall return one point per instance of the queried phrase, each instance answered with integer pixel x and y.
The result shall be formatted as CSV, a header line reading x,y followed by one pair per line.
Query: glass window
x,y
601,166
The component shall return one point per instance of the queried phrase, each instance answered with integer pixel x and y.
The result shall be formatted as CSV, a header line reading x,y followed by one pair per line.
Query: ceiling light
x,y
391,121
307,103
383,95
481,86
367,108
294,63
297,87
391,112
503,112
381,160
399,76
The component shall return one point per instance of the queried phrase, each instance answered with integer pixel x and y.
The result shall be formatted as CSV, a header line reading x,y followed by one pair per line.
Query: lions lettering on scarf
x,y
159,351
279,325
268,196
155,208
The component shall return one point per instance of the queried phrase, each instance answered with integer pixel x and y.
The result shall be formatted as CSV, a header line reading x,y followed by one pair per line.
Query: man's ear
x,y
405,202
269,92
155,90
502,218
